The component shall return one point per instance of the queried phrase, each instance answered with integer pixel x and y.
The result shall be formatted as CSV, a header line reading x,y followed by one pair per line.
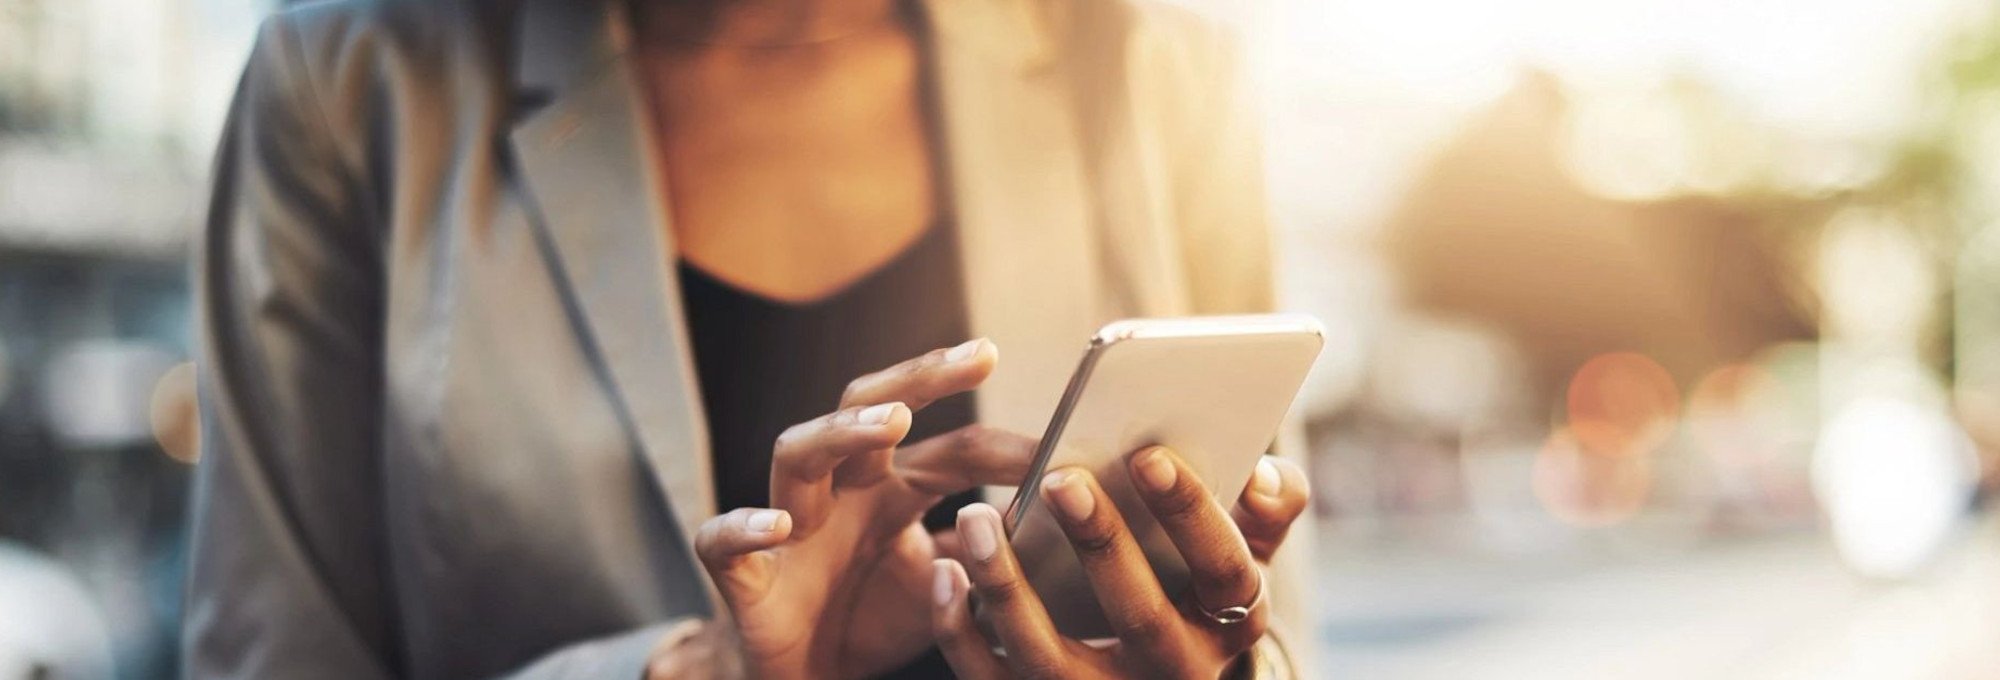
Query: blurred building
x,y
108,112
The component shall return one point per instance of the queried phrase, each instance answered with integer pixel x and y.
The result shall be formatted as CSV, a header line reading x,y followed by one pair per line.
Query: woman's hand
x,y
1160,634
832,580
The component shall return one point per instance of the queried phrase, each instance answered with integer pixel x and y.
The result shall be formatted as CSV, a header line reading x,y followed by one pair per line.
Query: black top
x,y
766,365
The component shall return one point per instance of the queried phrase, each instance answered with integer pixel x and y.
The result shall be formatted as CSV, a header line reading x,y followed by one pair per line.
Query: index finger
x,y
806,455
937,374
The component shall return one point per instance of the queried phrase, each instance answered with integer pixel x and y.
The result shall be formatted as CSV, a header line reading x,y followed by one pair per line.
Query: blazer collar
x,y
582,149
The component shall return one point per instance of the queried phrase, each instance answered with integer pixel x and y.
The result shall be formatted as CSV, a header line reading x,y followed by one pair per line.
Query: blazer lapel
x,y
1016,173
586,170
1016,179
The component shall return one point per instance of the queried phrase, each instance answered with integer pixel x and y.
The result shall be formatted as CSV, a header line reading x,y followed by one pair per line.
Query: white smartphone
x,y
1213,389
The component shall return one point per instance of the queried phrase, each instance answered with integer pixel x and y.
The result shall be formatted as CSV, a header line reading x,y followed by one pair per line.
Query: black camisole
x,y
765,365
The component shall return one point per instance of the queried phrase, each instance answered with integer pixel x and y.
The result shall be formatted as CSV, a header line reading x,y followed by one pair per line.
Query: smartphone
x,y
1213,389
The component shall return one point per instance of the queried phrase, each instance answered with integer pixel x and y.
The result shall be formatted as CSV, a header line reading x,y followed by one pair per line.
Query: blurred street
x,y
1776,606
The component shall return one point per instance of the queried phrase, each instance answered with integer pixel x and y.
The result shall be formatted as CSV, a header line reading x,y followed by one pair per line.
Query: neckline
x,y
910,253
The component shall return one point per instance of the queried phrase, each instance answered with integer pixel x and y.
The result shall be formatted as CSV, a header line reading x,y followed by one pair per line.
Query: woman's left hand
x,y
1160,634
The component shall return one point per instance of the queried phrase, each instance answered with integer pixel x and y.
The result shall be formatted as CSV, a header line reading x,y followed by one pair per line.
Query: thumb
x,y
735,548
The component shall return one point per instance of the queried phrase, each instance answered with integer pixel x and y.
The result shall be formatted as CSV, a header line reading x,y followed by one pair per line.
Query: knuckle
x,y
1182,502
710,553
1094,542
1230,576
970,438
913,369
924,369
1007,592
855,389
978,445
793,440
1146,629
711,530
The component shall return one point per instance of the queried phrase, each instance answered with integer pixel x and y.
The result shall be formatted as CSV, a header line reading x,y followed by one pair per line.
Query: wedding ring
x,y
1228,615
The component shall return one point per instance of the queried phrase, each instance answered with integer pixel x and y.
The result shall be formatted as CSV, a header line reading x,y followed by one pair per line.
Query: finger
x,y
937,374
970,655
679,653
948,545
1277,495
1220,568
1034,649
734,548
970,456
805,456
1130,595
916,383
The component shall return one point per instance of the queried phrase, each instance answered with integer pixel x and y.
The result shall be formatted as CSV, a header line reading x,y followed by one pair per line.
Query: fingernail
x,y
878,414
964,350
979,525
1156,470
1069,494
763,521
1266,481
942,588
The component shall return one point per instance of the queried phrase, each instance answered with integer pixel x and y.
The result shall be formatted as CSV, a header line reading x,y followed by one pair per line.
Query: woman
x,y
502,302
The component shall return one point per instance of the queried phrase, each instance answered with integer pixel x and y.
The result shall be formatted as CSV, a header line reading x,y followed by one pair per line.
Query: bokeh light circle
x,y
1621,404
176,424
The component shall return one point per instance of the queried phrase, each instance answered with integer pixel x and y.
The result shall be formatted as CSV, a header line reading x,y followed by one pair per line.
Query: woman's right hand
x,y
833,579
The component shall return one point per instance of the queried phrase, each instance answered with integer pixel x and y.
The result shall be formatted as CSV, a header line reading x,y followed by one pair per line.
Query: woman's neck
x,y
761,23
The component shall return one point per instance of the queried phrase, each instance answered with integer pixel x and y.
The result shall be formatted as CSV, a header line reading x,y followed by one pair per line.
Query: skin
x,y
793,138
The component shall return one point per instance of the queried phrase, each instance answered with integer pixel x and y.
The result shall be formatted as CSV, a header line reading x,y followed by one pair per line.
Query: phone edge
x,y
1045,449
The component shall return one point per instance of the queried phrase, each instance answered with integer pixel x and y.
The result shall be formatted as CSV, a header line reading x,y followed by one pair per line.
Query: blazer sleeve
x,y
288,575
286,569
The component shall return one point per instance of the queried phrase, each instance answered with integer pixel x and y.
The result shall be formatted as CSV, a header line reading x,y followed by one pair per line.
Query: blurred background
x,y
1665,333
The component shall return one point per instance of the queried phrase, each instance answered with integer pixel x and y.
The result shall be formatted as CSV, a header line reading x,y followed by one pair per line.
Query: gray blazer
x,y
451,427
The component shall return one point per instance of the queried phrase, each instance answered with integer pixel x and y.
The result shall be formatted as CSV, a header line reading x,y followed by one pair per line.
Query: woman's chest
x,y
791,176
